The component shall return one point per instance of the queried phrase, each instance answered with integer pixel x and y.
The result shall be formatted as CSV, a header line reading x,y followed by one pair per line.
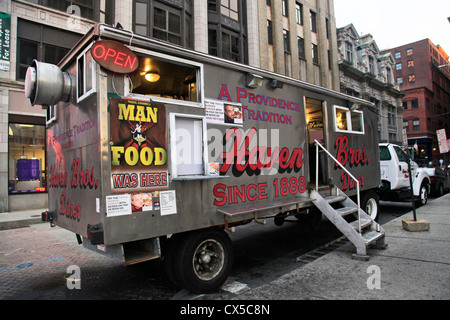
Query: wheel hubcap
x,y
371,208
208,260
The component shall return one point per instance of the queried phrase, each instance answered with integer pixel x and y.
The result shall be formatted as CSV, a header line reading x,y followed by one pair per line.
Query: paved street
x,y
34,262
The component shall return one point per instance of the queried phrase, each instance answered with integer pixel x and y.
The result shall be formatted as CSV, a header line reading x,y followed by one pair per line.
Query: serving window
x,y
188,140
164,78
347,120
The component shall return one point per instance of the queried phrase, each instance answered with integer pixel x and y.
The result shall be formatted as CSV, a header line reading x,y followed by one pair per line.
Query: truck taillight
x,y
95,234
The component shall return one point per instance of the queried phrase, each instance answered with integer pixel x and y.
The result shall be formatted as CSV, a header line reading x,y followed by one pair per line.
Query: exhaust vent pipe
x,y
46,84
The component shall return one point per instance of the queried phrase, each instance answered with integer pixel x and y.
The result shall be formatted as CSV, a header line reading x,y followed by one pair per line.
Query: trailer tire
x,y
203,260
370,203
169,251
423,194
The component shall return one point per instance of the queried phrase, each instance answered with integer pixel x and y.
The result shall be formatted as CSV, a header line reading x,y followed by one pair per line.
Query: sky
x,y
394,23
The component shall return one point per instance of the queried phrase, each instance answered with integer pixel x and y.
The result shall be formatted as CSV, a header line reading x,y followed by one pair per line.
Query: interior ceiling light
x,y
152,76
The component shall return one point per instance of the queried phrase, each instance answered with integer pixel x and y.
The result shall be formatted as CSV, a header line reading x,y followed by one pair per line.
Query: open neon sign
x,y
114,56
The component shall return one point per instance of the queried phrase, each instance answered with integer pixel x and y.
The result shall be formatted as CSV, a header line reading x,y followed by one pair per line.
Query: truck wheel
x,y
423,195
440,191
169,251
203,260
370,204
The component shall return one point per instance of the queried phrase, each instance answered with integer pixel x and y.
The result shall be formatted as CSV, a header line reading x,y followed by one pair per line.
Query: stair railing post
x,y
317,166
359,206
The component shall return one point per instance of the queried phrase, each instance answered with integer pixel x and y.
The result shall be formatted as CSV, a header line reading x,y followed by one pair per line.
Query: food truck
x,y
157,151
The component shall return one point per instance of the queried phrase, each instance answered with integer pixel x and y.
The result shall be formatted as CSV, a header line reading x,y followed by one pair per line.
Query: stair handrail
x,y
343,168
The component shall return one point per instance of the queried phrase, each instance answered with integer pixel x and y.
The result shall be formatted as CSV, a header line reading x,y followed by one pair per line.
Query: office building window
x,y
349,52
406,125
230,47
227,37
398,66
299,13
415,104
269,32
410,63
284,8
388,75
315,54
409,52
371,65
89,9
26,152
313,18
416,125
301,47
286,41
37,41
171,23
230,9
398,55
412,78
391,116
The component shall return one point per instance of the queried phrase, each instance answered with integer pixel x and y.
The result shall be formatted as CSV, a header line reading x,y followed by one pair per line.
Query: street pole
x,y
411,184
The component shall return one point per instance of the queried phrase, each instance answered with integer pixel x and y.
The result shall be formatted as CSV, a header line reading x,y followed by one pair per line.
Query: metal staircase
x,y
335,205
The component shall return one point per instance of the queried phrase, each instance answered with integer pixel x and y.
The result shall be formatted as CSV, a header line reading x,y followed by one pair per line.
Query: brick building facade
x,y
421,69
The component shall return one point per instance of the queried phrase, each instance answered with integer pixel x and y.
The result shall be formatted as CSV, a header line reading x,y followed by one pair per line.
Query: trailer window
x,y
86,84
51,115
346,120
187,140
162,78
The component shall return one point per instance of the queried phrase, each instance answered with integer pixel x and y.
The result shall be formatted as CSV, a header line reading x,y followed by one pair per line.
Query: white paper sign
x,y
118,205
167,202
442,140
223,112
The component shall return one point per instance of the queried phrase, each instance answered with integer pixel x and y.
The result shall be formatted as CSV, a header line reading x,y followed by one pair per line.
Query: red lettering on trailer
x,y
82,178
238,194
259,157
348,154
68,209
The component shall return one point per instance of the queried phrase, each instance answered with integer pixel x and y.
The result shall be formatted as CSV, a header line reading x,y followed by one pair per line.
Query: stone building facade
x,y
367,74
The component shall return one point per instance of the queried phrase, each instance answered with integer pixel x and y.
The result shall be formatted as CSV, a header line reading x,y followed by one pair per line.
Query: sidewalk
x,y
414,266
19,219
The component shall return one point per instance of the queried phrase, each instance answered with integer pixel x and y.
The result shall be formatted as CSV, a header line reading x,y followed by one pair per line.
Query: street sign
x,y
405,138
442,140
5,40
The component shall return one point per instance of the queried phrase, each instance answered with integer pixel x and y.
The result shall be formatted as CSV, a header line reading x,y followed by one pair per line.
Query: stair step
x,y
364,223
345,211
372,236
334,199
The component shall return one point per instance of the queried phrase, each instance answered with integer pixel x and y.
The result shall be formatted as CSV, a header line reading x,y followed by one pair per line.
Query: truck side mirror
x,y
46,84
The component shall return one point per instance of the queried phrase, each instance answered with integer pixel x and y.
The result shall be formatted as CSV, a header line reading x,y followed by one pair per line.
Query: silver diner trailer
x,y
156,151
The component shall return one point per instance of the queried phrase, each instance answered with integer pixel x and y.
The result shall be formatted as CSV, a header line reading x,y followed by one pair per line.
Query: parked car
x,y
440,180
447,168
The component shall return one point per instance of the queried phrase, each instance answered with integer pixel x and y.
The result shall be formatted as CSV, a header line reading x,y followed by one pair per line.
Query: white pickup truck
x,y
395,183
